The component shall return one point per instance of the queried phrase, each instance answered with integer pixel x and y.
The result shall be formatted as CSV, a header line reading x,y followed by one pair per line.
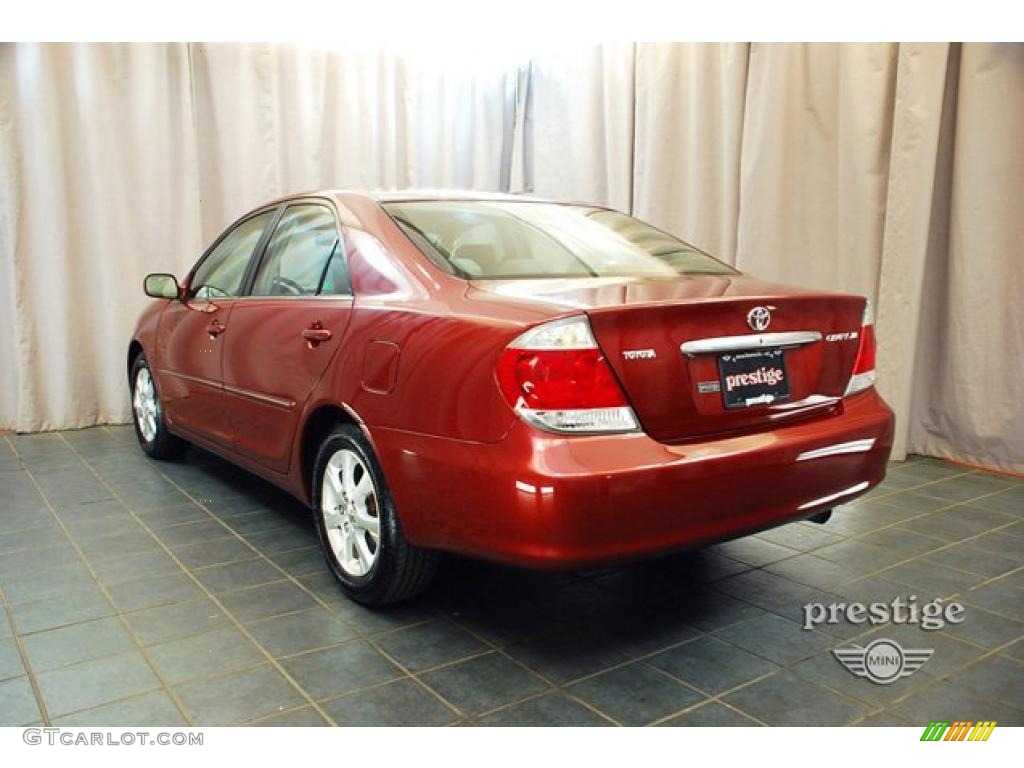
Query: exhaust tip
x,y
822,517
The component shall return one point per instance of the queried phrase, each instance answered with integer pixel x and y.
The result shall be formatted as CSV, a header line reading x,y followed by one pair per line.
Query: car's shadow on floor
x,y
636,607
230,488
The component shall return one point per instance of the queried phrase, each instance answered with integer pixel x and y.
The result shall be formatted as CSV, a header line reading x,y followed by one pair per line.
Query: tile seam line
x,y
287,576
23,655
136,641
238,625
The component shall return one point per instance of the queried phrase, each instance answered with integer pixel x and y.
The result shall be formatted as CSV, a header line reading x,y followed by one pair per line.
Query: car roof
x,y
418,195
407,195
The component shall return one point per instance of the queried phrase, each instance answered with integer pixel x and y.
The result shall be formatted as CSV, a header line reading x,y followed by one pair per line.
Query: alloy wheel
x,y
348,504
144,404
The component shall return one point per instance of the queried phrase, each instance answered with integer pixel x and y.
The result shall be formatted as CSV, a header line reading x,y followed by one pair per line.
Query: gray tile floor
x,y
145,593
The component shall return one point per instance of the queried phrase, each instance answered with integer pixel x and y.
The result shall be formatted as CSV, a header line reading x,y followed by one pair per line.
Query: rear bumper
x,y
543,501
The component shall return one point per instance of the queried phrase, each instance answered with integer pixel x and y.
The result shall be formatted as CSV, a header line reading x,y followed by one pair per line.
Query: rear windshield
x,y
485,239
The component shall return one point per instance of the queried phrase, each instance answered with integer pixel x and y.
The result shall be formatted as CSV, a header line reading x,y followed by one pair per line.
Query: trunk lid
x,y
643,325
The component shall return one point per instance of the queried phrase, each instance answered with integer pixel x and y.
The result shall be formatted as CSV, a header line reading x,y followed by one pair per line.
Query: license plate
x,y
753,378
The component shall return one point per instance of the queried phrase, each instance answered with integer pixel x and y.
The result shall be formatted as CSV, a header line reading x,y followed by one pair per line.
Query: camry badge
x,y
759,318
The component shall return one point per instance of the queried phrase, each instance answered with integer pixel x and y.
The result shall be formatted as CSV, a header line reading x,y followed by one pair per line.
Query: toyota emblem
x,y
759,318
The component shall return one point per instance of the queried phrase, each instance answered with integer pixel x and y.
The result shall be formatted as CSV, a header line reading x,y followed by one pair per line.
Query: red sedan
x,y
549,385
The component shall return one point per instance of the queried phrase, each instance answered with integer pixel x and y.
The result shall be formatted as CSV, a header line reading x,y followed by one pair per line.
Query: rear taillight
x,y
864,366
555,376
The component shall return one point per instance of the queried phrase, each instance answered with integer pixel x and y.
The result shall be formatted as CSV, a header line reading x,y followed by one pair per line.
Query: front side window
x,y
513,239
303,256
221,273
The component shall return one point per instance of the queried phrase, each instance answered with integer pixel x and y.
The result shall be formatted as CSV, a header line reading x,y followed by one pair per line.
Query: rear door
x,y
285,331
192,332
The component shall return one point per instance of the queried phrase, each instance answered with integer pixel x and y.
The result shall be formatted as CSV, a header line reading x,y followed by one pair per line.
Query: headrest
x,y
481,254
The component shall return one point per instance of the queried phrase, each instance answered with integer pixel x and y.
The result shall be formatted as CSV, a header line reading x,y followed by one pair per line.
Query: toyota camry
x,y
550,385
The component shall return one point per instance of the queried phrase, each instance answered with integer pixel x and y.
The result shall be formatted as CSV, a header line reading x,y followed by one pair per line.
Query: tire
x,y
372,568
148,414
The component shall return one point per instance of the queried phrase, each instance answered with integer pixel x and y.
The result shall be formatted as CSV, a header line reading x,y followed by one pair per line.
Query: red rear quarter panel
x,y
439,349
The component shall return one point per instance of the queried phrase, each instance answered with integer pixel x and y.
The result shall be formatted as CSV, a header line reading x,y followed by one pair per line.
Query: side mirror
x,y
162,286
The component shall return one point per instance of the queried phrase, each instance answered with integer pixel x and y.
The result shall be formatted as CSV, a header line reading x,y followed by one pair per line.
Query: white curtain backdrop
x,y
273,119
690,99
578,142
98,186
119,160
813,166
968,395
892,170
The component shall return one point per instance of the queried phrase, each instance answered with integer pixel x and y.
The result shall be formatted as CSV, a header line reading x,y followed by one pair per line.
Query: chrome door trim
x,y
348,297
194,379
748,341
260,397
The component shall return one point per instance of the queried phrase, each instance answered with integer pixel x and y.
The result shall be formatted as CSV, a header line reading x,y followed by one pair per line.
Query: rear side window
x,y
220,274
304,256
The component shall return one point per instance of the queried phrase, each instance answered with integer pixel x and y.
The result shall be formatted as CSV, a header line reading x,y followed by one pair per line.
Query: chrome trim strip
x,y
279,402
852,446
749,341
194,379
347,297
853,489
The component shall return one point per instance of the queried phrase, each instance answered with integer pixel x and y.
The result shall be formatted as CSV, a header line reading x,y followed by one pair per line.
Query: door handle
x,y
316,334
215,328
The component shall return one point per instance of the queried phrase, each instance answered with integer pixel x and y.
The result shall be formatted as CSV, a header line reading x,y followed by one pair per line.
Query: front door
x,y
190,339
285,333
